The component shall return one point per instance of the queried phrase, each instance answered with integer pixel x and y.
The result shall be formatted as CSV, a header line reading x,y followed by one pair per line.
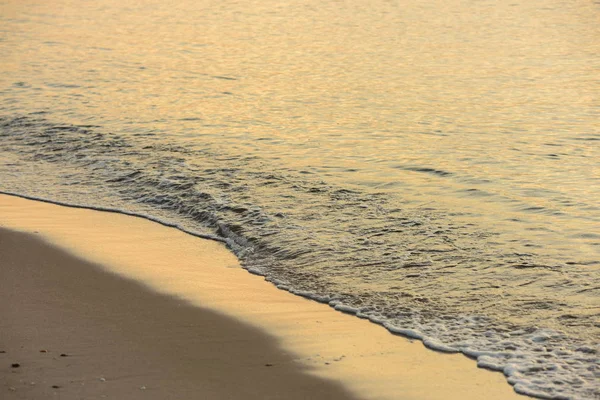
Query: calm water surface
x,y
431,165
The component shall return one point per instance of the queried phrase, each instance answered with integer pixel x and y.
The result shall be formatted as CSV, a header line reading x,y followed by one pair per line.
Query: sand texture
x,y
81,332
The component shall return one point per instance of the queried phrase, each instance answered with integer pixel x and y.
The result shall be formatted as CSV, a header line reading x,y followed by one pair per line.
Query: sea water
x,y
431,166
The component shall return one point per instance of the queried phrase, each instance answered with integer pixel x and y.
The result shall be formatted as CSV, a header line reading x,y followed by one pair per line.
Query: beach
x,y
401,198
97,304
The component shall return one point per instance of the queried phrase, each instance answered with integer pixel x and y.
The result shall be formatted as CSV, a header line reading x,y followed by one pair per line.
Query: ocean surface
x,y
433,166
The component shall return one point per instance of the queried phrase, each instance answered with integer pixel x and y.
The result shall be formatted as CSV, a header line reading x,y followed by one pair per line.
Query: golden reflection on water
x,y
499,98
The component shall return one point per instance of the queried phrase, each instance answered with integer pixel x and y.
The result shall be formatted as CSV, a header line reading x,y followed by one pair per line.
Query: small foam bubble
x,y
411,333
492,363
346,309
436,345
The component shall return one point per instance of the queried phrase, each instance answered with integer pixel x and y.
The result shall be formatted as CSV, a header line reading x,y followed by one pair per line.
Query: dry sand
x,y
145,311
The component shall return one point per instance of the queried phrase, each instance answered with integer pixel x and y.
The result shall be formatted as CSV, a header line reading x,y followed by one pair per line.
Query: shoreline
x,y
340,352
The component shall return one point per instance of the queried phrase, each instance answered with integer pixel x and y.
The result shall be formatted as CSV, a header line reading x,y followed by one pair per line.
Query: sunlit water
x,y
432,165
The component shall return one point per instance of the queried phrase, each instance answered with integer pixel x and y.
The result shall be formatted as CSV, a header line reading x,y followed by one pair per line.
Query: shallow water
x,y
432,166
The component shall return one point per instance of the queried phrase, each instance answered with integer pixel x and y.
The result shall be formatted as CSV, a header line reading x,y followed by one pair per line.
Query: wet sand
x,y
144,311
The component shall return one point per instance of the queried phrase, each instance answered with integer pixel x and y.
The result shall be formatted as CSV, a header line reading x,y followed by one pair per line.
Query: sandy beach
x,y
81,332
97,304
299,199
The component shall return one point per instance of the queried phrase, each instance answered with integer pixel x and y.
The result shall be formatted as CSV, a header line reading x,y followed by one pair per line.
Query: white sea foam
x,y
411,333
346,309
435,344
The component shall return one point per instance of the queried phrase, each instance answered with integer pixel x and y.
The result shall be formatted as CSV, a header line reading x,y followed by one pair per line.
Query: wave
x,y
416,272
